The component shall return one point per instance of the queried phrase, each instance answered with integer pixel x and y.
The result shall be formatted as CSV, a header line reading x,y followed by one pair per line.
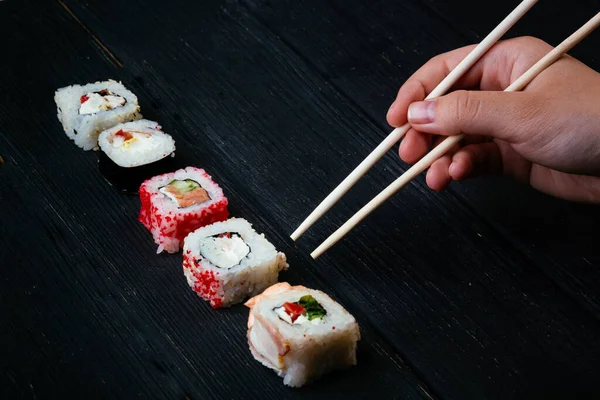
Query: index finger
x,y
495,70
426,78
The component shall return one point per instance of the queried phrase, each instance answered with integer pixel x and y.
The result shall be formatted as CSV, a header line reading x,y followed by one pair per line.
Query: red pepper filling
x,y
83,99
293,310
124,135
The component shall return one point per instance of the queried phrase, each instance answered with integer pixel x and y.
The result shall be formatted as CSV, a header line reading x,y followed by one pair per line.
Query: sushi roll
x,y
226,262
133,152
85,111
301,333
177,203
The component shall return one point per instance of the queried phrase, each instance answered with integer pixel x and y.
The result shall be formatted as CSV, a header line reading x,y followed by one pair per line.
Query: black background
x,y
488,290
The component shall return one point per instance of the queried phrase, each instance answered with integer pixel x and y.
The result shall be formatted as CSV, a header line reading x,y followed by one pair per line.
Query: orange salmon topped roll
x,y
301,333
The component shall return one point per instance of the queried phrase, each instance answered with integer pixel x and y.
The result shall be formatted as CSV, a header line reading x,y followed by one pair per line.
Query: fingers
x,y
502,115
497,69
491,114
579,188
470,161
422,82
414,146
410,92
476,160
438,176
486,158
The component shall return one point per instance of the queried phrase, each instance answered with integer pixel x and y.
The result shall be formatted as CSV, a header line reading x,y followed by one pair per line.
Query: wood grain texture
x,y
93,311
536,224
276,101
549,222
544,20
412,297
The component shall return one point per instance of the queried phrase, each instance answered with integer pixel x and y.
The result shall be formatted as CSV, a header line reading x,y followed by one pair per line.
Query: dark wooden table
x,y
488,290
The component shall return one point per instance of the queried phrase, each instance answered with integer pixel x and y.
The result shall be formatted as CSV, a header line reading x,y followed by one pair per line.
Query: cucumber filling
x,y
185,193
305,310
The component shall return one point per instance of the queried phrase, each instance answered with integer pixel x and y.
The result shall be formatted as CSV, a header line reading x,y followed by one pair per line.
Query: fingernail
x,y
421,112
391,107
452,170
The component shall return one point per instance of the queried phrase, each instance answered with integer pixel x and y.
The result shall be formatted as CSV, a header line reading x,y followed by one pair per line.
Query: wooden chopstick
x,y
398,133
450,141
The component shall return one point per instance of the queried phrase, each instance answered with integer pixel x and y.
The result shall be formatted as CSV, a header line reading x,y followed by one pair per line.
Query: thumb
x,y
503,115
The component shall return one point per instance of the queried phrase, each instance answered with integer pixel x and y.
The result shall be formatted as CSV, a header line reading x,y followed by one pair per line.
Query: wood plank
x,y
374,54
93,310
452,296
544,20
556,235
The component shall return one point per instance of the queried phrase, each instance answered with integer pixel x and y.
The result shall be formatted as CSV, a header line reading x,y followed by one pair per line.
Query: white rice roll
x,y
304,348
228,261
136,143
85,111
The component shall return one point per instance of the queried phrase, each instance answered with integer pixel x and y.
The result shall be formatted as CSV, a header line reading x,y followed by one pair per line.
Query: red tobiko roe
x,y
293,310
83,99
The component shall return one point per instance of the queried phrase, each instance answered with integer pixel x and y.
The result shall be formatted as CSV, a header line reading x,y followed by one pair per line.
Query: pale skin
x,y
548,135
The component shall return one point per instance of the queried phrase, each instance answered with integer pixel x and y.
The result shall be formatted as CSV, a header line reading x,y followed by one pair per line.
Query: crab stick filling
x,y
268,343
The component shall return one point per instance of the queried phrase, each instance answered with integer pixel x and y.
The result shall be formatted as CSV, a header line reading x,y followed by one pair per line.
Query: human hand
x,y
548,135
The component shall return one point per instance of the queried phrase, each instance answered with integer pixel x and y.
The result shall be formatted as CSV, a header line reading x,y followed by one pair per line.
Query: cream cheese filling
x,y
224,252
96,103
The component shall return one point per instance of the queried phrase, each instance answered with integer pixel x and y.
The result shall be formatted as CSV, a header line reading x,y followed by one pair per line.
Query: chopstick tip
x,y
319,251
299,231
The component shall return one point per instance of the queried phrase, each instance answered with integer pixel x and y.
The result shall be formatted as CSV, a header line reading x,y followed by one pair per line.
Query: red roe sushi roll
x,y
228,261
177,203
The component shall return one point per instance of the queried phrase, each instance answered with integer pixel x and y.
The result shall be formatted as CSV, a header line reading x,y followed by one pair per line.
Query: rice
x,y
136,143
247,274
304,352
166,220
80,123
